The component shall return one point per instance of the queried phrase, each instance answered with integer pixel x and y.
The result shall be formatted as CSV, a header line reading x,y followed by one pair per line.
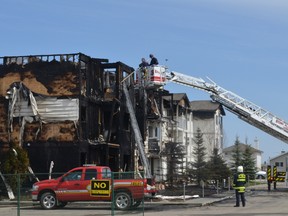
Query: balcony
x,y
153,146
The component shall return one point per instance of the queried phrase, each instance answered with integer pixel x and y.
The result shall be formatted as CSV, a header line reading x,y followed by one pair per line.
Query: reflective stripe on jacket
x,y
239,182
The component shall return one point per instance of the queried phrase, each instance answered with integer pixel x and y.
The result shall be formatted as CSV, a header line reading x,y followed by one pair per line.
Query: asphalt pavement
x,y
183,200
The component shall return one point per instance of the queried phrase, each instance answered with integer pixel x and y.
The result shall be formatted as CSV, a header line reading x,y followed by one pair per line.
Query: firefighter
x,y
143,63
239,186
154,60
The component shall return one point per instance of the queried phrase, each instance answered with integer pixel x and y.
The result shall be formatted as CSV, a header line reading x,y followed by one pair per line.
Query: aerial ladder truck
x,y
154,77
158,76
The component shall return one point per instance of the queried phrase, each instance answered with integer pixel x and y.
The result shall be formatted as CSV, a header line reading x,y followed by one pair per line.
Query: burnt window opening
x,y
107,117
83,114
126,163
126,121
109,80
109,84
83,120
83,158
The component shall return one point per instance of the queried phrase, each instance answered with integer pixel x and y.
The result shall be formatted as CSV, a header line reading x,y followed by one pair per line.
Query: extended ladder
x,y
137,133
243,108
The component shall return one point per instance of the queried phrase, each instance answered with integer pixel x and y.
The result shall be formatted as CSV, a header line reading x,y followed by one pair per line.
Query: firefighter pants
x,y
240,195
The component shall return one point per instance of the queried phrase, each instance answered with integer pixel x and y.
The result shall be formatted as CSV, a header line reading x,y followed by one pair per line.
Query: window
x,y
106,173
150,129
182,122
279,164
73,176
90,174
156,132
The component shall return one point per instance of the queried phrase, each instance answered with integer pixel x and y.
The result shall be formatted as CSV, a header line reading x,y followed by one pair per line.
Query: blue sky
x,y
242,45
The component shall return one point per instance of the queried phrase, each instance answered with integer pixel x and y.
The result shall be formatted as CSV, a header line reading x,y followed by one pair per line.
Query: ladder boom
x,y
190,81
244,109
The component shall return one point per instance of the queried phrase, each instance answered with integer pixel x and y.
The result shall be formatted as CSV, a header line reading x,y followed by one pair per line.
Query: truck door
x,y
89,174
70,187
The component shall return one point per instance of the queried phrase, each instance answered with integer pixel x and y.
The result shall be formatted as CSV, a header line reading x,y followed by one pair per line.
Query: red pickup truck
x,y
91,183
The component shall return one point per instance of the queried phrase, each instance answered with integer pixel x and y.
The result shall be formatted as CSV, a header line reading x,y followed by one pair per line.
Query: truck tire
x,y
122,201
48,200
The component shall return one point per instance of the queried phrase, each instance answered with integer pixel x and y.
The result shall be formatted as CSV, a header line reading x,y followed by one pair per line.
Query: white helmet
x,y
240,169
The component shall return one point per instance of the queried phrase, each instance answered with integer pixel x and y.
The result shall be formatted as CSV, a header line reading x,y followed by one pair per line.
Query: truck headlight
x,y
35,187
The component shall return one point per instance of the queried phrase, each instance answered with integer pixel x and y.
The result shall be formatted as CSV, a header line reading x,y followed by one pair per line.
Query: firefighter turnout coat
x,y
239,182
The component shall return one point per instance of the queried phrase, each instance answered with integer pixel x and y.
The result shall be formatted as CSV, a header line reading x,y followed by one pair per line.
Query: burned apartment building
x,y
173,126
68,108
171,118
166,119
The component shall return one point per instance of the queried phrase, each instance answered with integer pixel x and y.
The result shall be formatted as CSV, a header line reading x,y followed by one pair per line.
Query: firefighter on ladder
x,y
239,186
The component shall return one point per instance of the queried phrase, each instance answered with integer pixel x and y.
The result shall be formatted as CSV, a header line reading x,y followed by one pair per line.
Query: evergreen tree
x,y
198,166
174,153
248,162
236,155
14,161
217,169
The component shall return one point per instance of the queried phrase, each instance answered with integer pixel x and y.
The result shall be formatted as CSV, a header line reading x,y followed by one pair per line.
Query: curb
x,y
189,202
218,200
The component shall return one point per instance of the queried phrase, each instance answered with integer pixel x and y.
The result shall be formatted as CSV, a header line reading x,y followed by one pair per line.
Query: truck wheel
x,y
48,200
122,201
